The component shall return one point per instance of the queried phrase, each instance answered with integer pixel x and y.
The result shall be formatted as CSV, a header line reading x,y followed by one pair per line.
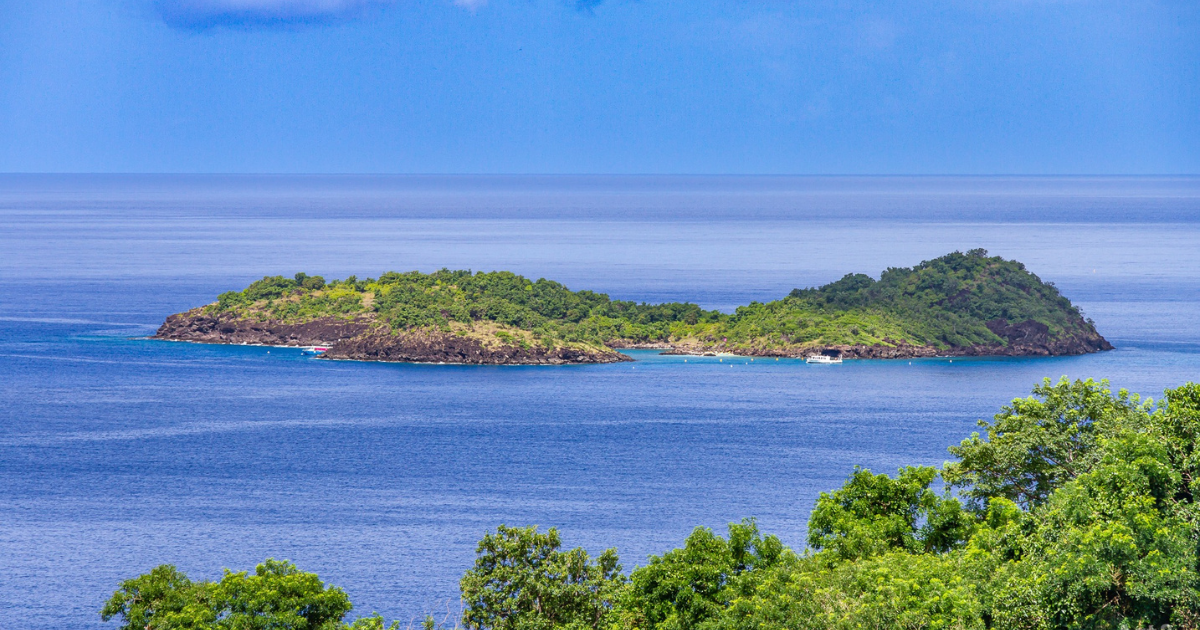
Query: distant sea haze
x,y
118,453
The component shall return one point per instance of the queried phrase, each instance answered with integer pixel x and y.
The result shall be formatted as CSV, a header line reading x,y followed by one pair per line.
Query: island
x,y
961,304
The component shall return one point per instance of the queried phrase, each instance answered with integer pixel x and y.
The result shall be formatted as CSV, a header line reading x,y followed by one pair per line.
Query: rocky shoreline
x,y
363,339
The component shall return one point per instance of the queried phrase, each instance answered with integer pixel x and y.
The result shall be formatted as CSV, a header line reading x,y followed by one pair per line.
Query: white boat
x,y
313,350
822,359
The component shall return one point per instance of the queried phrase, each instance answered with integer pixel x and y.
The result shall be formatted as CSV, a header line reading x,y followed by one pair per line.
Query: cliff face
x,y
1031,338
196,325
362,339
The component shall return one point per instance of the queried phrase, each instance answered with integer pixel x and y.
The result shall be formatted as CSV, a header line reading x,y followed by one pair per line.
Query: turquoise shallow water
x,y
117,453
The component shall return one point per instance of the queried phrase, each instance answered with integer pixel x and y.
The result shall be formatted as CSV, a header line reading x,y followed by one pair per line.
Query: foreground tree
x,y
162,599
873,514
278,596
684,588
1036,444
522,580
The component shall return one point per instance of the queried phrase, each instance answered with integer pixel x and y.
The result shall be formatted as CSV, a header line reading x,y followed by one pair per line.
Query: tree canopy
x,y
277,595
523,580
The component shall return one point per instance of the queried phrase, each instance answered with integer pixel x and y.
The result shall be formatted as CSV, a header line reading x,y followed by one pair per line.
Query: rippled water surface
x,y
118,454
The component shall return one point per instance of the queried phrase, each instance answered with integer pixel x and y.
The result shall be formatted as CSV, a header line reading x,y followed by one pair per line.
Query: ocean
x,y
119,453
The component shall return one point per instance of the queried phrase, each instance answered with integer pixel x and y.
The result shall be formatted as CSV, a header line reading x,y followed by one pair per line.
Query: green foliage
x,y
1036,443
892,590
686,587
522,580
874,514
943,302
1177,426
163,599
376,622
1111,546
277,596
949,300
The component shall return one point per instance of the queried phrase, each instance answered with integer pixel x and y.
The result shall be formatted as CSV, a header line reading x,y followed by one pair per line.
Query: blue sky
x,y
600,86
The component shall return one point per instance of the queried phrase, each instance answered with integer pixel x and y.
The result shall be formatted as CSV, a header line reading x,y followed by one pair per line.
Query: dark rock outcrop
x,y
1032,338
196,325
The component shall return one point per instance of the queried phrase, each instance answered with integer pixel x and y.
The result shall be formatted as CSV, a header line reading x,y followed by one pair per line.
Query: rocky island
x,y
957,305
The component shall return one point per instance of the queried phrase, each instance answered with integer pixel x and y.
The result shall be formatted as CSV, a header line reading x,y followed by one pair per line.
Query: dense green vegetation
x,y
277,596
1076,508
943,302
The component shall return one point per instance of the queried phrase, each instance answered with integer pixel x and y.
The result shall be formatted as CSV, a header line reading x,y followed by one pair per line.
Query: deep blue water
x,y
118,454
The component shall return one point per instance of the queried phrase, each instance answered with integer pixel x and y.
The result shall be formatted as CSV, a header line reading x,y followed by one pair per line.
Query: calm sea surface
x,y
118,454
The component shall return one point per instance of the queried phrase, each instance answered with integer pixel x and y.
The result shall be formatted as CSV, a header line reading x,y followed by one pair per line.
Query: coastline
x,y
363,339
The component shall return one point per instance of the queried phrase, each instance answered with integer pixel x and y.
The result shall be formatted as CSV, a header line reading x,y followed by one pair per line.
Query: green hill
x,y
956,304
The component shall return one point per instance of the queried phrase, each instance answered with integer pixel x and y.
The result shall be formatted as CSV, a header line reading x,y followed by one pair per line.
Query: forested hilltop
x,y
958,304
1076,509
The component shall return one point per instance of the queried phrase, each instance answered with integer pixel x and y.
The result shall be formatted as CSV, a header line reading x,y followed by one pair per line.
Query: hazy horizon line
x,y
565,174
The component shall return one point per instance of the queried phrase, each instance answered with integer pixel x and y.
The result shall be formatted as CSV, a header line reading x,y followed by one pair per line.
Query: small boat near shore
x,y
313,350
822,359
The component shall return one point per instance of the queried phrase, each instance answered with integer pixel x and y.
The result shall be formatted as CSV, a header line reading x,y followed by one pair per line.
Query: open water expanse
x,y
118,454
